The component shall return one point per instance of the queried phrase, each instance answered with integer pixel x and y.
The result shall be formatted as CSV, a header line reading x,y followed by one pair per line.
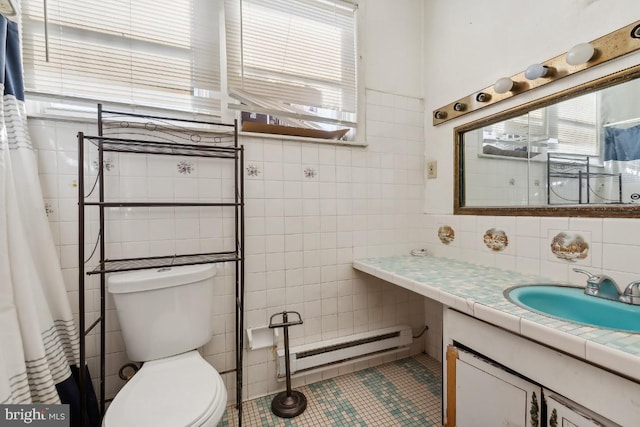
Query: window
x,y
295,59
292,59
574,124
155,53
569,127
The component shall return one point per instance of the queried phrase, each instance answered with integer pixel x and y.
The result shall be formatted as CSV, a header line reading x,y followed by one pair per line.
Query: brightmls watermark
x,y
35,415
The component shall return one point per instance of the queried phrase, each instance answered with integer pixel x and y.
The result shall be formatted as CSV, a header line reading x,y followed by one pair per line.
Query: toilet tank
x,y
164,311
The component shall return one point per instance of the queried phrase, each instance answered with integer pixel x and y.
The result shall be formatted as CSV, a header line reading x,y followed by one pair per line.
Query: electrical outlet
x,y
432,169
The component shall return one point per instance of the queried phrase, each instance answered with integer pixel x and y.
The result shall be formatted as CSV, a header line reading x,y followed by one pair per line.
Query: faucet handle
x,y
589,275
631,293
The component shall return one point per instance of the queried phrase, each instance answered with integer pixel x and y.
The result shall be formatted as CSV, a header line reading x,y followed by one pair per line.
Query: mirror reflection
x,y
582,151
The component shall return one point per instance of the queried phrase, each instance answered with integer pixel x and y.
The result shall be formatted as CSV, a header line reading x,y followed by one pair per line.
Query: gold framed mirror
x,y
574,153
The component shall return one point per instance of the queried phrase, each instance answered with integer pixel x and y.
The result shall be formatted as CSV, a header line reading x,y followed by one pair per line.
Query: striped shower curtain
x,y
38,337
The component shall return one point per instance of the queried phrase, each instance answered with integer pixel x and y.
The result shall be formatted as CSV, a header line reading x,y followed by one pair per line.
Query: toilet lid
x,y
177,391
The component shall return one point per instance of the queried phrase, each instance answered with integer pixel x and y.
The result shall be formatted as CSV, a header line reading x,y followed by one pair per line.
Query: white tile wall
x,y
310,210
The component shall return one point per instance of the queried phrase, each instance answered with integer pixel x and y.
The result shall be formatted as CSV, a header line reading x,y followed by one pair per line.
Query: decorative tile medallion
x,y
310,173
446,234
569,246
252,170
496,240
185,167
107,164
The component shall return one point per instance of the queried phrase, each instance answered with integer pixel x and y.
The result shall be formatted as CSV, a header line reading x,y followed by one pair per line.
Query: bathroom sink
x,y
570,303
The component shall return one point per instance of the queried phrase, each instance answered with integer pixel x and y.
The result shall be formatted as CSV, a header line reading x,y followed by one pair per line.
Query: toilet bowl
x,y
165,314
182,390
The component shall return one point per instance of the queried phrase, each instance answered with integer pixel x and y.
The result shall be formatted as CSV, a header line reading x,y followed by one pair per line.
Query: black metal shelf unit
x,y
156,135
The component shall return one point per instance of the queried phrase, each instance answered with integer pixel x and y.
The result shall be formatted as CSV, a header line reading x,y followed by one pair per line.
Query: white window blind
x,y
529,128
293,56
572,123
156,53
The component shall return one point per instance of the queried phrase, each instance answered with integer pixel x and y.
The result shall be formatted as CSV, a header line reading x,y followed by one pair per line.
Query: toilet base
x,y
289,406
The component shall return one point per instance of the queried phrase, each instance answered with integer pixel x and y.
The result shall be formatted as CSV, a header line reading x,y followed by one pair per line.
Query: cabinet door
x,y
488,395
563,413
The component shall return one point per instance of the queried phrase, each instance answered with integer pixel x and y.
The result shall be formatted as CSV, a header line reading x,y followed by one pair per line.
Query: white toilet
x,y
165,314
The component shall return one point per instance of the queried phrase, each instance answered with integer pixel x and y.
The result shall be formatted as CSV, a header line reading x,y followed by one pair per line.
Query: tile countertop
x,y
478,291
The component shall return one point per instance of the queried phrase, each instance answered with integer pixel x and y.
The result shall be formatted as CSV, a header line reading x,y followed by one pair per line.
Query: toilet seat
x,y
177,391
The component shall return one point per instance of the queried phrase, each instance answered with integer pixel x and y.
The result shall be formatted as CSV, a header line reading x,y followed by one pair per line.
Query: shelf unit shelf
x,y
159,204
118,265
126,145
155,135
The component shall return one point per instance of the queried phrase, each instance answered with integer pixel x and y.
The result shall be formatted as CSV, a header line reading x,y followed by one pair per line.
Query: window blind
x,y
573,121
154,53
293,55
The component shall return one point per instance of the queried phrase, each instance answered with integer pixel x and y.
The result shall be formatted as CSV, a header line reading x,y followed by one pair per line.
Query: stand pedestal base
x,y
289,406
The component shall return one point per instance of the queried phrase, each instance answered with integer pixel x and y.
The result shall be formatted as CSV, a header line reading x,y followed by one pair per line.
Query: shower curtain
x,y
38,337
622,156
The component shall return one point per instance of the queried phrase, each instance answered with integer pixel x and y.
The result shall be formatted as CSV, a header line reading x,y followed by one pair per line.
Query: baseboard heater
x,y
311,358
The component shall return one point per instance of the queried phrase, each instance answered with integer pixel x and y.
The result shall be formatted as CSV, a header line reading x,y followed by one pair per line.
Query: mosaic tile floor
x,y
404,393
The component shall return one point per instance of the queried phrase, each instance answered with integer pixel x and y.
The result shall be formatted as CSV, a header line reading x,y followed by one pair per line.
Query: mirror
x,y
575,153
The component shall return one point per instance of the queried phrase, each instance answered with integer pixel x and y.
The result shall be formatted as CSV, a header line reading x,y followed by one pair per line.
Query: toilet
x,y
165,314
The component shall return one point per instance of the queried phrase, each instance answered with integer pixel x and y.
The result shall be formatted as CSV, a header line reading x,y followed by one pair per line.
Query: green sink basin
x,y
570,303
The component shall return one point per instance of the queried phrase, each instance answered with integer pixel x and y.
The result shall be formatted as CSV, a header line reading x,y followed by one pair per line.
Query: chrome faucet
x,y
602,286
631,294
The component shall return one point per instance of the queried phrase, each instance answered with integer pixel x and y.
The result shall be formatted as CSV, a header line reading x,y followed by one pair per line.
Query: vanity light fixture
x,y
535,71
459,106
581,57
504,85
580,54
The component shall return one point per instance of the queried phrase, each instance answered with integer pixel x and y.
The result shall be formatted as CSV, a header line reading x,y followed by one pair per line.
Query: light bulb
x,y
535,71
503,85
580,54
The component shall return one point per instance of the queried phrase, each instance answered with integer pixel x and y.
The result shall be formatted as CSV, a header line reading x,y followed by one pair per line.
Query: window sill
x,y
303,139
88,115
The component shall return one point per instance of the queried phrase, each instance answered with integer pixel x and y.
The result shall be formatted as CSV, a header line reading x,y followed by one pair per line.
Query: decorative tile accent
x,y
252,170
48,209
446,234
310,173
406,392
107,164
496,240
185,167
569,246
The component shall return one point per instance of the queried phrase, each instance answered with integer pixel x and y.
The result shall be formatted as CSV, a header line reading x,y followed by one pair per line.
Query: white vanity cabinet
x,y
492,372
487,395
564,413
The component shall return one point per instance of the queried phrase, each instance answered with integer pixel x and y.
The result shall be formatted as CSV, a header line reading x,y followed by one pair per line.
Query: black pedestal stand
x,y
287,404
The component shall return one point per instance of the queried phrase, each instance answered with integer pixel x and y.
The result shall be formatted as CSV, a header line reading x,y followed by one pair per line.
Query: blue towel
x,y
622,143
